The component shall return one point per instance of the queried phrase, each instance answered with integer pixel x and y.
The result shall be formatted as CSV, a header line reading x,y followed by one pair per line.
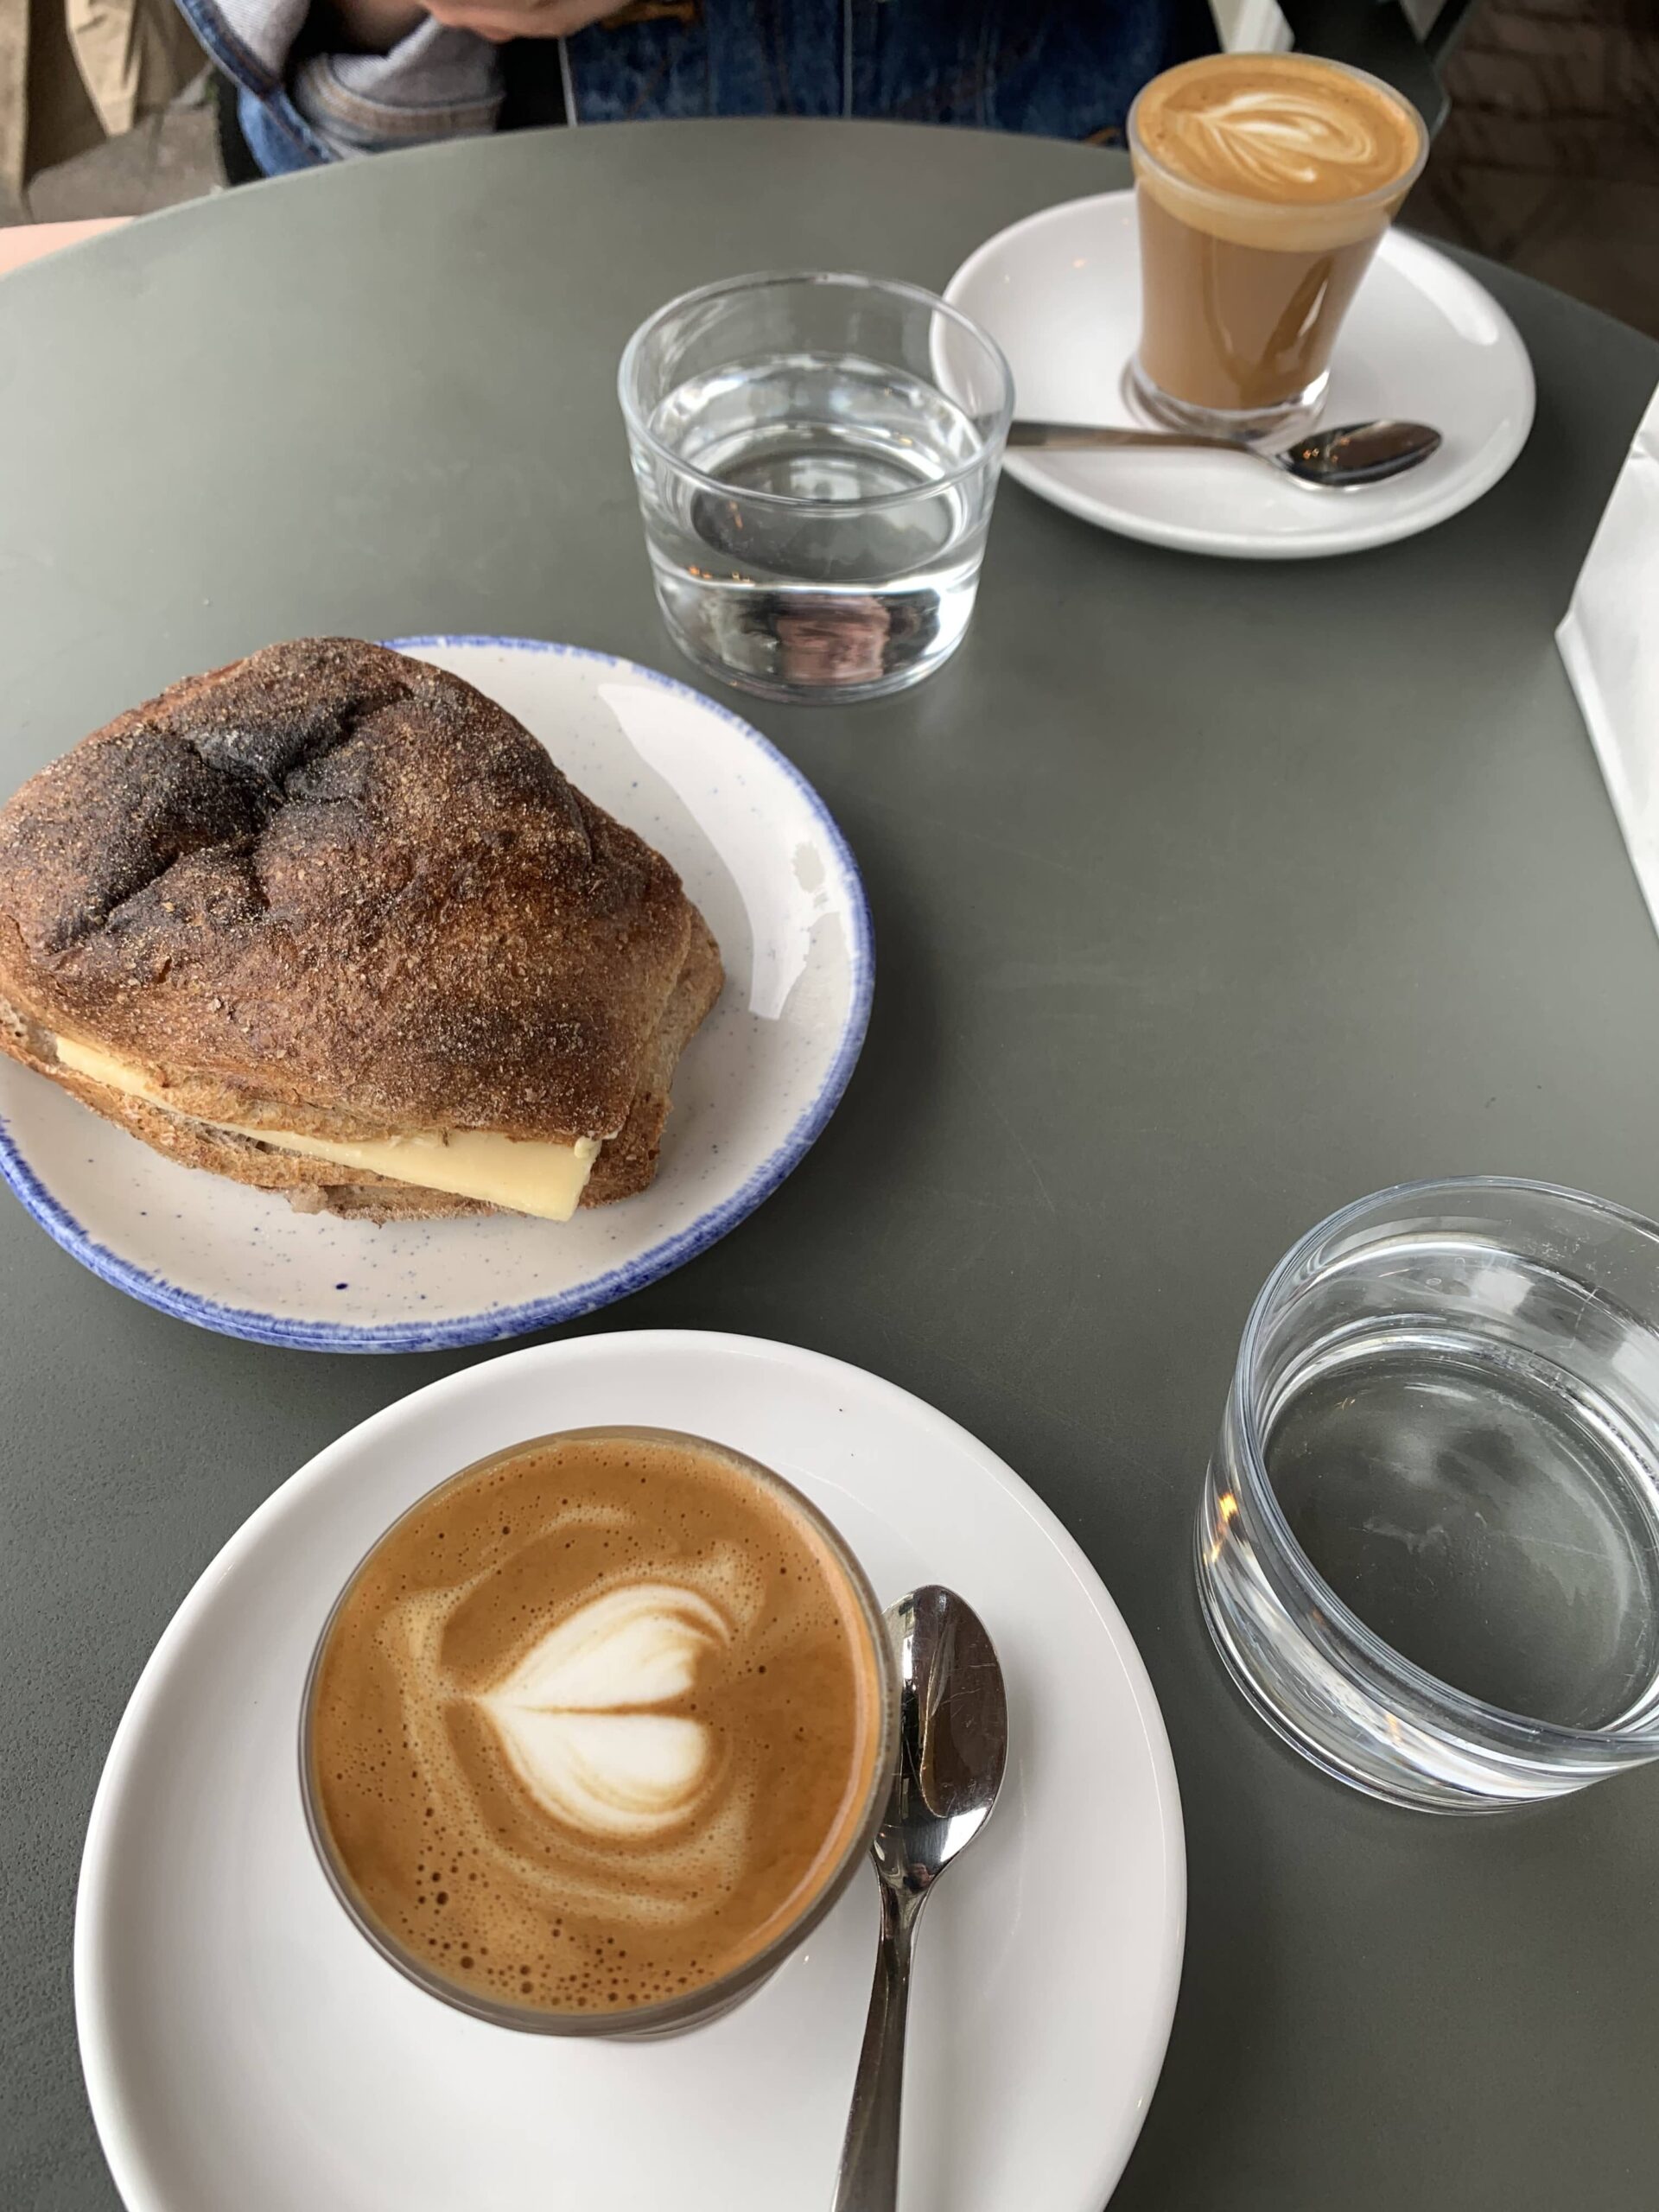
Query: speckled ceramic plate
x,y
757,852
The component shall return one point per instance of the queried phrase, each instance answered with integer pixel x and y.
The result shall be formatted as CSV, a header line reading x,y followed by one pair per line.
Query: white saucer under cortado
x,y
1061,292
246,2050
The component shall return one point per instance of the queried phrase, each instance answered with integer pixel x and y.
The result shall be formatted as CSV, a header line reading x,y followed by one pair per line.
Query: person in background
x,y
318,80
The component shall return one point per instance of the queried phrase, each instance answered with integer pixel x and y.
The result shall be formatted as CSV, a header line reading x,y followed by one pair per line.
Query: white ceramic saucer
x,y
245,2047
1061,293
756,850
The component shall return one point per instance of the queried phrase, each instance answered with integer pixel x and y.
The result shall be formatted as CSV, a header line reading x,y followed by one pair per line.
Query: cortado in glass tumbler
x,y
1263,185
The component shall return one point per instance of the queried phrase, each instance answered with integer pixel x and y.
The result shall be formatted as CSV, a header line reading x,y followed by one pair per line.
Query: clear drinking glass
x,y
672,2016
816,456
1428,1546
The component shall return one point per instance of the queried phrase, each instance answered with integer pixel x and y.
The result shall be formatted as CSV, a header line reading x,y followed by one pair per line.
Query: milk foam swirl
x,y
1283,130
1276,139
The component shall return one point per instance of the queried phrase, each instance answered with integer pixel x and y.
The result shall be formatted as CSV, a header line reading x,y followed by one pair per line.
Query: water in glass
x,y
858,565
1492,1518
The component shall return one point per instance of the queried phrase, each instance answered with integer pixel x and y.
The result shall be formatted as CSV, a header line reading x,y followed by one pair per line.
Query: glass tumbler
x,y
1428,1545
816,456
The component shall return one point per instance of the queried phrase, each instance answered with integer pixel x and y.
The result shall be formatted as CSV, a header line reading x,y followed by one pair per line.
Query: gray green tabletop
x,y
1207,895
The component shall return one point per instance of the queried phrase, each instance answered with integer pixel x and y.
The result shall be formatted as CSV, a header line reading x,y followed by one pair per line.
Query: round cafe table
x,y
1207,895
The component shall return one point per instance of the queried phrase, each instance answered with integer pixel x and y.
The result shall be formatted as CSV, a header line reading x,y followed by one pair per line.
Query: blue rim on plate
x,y
497,1322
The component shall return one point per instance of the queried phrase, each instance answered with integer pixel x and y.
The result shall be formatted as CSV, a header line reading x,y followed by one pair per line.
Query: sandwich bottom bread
x,y
329,922
621,1165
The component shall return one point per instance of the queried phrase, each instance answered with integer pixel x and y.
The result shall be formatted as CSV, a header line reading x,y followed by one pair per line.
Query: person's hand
x,y
499,21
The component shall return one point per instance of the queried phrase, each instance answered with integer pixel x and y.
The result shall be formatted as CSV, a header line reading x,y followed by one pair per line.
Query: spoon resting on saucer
x,y
1355,453
953,1742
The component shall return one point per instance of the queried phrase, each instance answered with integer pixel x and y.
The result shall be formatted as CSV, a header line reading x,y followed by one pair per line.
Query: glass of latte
x,y
597,1731
1263,183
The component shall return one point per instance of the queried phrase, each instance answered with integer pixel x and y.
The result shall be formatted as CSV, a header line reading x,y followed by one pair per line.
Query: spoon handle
x,y
1084,436
868,2178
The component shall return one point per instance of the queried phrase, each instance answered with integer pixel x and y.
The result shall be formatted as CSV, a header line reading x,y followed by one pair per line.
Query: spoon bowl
x,y
1357,453
953,1738
1344,459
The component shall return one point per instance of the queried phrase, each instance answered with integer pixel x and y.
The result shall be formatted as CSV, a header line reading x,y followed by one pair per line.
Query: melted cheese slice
x,y
541,1178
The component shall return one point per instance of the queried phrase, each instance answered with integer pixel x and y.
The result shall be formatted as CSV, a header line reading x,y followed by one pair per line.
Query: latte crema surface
x,y
1279,150
595,1723
1277,127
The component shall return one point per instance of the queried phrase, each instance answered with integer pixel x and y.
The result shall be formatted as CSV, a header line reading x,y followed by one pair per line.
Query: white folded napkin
x,y
1609,642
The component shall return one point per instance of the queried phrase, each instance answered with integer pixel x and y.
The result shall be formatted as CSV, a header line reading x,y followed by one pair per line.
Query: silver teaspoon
x,y
953,1742
1357,453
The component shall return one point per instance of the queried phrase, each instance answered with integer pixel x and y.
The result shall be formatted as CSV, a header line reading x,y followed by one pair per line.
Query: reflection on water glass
x,y
1428,1547
817,457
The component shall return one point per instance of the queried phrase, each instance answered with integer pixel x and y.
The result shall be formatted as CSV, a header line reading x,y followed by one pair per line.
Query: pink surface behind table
x,y
27,242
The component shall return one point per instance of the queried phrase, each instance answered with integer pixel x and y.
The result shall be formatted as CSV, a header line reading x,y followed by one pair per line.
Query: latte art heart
x,y
575,1715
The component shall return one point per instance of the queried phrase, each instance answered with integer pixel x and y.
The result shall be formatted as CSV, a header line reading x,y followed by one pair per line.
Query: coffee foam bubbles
x,y
1277,150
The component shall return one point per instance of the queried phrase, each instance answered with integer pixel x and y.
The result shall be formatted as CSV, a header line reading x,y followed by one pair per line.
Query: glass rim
x,y
1515,1731
712,1997
1379,195
641,433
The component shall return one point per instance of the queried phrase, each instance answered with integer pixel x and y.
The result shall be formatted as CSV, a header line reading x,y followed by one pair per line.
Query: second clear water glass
x,y
817,457
1428,1547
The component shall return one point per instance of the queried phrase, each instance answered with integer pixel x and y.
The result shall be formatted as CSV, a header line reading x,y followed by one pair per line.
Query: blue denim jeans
x,y
1066,68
